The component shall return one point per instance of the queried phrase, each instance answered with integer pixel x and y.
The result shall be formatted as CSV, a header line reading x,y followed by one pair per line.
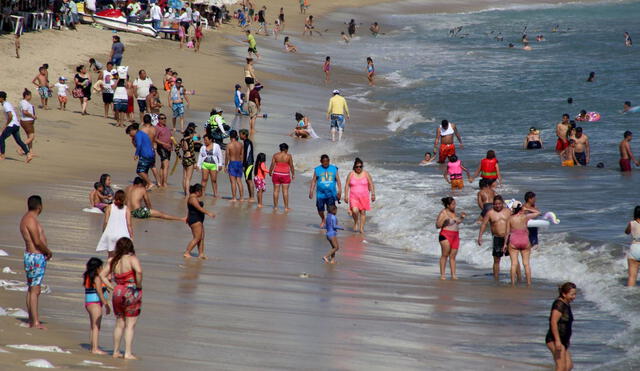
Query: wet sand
x,y
264,300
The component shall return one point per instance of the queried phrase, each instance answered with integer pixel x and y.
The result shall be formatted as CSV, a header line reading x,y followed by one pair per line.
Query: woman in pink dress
x,y
359,192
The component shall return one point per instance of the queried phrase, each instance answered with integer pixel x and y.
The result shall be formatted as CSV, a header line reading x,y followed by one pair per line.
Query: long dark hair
x,y
565,288
636,212
446,201
124,246
103,179
90,274
260,159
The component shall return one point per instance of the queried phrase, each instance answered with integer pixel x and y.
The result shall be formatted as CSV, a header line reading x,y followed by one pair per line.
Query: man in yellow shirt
x,y
336,111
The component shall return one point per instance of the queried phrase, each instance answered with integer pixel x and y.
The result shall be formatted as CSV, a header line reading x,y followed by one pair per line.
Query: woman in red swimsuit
x,y
448,222
518,239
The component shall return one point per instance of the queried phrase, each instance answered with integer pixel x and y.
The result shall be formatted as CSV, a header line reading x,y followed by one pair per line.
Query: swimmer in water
x,y
485,197
626,107
526,46
428,158
453,173
524,40
561,132
511,46
533,139
568,155
627,39
345,38
582,116
592,76
375,29
371,72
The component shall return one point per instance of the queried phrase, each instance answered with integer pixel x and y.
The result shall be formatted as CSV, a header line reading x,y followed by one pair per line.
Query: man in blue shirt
x,y
326,182
145,154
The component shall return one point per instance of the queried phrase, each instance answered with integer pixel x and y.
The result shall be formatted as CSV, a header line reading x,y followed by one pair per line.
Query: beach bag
x,y
77,93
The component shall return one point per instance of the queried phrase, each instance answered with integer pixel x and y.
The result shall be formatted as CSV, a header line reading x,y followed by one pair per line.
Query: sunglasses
x,y
162,118
358,167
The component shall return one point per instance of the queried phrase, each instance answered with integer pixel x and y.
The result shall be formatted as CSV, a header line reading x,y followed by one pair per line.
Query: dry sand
x,y
250,306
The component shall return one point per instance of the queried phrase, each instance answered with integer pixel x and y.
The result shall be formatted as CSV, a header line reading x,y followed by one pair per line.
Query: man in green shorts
x,y
253,46
136,195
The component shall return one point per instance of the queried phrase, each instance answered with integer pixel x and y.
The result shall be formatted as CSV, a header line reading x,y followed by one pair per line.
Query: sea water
x,y
495,94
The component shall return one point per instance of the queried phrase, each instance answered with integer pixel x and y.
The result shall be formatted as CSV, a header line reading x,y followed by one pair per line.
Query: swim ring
x,y
591,117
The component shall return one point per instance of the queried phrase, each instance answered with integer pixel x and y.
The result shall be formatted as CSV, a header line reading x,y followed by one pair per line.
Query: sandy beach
x,y
263,300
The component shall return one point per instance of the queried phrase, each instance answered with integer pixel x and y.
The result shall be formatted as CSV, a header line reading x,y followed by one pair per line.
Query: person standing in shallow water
x,y
359,192
633,257
518,240
497,218
282,172
195,220
558,337
448,222
444,137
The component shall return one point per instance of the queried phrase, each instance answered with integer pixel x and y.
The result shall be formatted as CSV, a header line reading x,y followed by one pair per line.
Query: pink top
x,y
359,185
455,170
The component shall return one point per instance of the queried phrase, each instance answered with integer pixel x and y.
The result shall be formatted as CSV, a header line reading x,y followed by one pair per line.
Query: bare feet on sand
x,y
203,257
130,356
99,352
443,278
186,255
117,355
39,326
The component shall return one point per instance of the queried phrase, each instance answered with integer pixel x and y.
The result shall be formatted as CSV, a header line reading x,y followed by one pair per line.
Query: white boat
x,y
115,20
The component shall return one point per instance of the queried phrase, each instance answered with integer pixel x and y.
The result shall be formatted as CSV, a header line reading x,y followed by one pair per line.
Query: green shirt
x,y
252,41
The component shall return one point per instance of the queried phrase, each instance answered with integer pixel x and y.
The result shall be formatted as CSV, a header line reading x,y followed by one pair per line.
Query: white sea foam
x,y
39,348
403,119
15,285
8,270
17,312
399,80
3,312
39,363
3,253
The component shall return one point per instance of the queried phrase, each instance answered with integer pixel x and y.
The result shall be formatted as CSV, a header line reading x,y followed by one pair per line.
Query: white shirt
x,y
62,89
7,107
184,17
91,4
195,16
156,12
142,87
26,106
108,82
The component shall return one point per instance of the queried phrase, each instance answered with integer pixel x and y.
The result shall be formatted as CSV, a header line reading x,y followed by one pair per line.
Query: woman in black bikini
x,y
195,218
560,321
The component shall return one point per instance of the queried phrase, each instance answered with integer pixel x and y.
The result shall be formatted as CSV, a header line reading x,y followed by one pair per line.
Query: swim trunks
x,y
235,169
44,92
321,203
178,109
141,213
248,172
144,164
561,145
446,150
485,209
534,145
337,122
252,50
107,98
62,98
260,184
164,153
568,163
533,236
34,266
280,178
249,80
209,166
498,247
625,164
142,105
120,105
582,158
457,184
452,236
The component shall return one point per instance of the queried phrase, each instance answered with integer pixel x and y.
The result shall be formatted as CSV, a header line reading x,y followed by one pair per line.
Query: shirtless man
x,y
582,149
533,139
561,133
136,194
485,197
497,217
233,165
36,256
626,156
444,136
153,101
42,82
151,132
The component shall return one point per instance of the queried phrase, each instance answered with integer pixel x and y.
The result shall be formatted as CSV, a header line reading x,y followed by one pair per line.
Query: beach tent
x,y
217,3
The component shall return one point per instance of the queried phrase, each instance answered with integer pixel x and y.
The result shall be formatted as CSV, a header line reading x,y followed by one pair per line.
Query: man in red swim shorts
x,y
561,132
444,136
626,156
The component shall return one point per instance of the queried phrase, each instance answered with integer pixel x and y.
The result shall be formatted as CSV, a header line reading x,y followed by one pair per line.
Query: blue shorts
x,y
156,23
235,169
178,109
337,122
322,202
34,266
533,236
120,105
144,164
116,61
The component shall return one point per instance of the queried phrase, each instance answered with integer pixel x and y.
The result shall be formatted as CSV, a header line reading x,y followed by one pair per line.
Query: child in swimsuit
x,y
568,155
97,198
94,299
260,172
332,234
453,173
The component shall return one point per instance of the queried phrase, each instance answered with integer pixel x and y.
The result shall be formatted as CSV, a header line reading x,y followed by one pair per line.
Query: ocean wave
x,y
399,80
403,119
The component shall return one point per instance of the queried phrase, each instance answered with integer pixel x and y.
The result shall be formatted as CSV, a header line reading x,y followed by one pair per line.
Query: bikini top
x,y
447,131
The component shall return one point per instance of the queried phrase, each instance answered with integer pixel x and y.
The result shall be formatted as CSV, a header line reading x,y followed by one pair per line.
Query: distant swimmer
x,y
533,139
560,323
561,132
582,151
627,39
633,257
497,217
499,37
448,222
568,155
428,158
626,156
344,37
592,76
517,241
511,46
326,68
485,197
527,47
525,39
351,28
453,173
371,72
375,29
288,45
540,38
489,168
444,137
555,28
627,108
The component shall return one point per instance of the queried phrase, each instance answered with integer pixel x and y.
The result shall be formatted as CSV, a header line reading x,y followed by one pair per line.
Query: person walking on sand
x,y
136,194
489,168
195,220
42,83
164,147
210,162
497,217
359,192
444,137
626,156
141,91
562,128
188,158
82,91
558,336
177,97
326,182
282,172
94,301
255,105
448,222
116,224
326,68
36,256
253,46
518,240
633,257
249,76
126,271
11,128
371,72
336,112
247,162
332,234
28,118
145,155
117,51
234,155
